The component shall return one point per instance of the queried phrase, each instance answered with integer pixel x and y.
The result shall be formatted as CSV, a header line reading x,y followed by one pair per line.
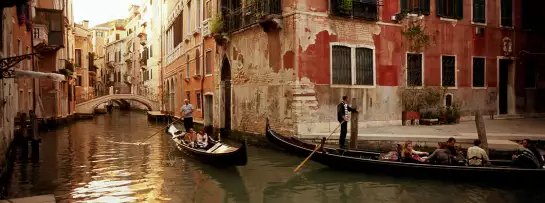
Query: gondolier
x,y
342,115
187,115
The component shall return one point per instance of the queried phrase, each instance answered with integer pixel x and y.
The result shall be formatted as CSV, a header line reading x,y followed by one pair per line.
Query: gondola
x,y
363,161
218,154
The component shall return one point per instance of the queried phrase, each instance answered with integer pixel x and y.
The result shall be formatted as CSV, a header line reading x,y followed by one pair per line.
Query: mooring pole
x,y
354,125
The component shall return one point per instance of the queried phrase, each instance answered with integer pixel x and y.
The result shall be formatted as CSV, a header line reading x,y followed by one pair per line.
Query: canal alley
x,y
96,161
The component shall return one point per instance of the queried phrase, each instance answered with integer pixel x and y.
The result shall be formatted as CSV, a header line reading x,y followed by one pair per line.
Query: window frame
x,y
500,15
473,13
407,69
353,48
456,17
198,100
206,74
455,71
78,62
473,72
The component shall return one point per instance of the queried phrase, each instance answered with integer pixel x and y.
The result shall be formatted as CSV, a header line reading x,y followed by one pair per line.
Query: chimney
x,y
86,24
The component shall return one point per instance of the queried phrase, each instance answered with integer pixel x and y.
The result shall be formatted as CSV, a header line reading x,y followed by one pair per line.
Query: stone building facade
x,y
291,61
84,63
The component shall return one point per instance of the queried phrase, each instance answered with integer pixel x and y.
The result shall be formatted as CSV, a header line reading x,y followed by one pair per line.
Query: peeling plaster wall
x,y
263,78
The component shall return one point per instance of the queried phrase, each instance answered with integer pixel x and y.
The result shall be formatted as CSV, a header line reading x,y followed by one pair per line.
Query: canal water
x,y
97,161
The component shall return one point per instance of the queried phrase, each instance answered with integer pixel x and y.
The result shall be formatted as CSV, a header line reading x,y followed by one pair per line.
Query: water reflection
x,y
94,161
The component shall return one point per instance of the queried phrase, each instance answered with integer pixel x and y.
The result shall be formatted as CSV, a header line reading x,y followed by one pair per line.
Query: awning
x,y
52,76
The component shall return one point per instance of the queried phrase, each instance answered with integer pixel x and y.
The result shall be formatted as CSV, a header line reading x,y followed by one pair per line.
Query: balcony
x,y
143,61
264,12
49,24
357,9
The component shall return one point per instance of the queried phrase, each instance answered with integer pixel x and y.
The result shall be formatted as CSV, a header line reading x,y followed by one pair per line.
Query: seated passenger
x,y
476,155
456,156
408,154
190,137
526,144
441,155
202,139
525,159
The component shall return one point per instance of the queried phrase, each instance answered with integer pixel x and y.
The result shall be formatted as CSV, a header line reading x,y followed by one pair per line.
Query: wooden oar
x,y
159,131
317,147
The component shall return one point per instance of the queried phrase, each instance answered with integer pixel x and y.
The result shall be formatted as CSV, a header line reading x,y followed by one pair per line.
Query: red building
x,y
295,67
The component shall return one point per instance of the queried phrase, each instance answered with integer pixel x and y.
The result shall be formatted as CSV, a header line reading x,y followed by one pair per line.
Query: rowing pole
x,y
317,147
159,131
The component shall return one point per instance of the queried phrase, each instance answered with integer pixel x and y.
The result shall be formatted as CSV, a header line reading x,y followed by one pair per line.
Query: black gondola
x,y
219,154
363,161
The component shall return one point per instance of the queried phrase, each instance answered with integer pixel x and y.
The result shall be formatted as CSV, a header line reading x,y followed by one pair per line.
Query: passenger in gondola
x,y
526,143
476,155
190,137
440,156
456,156
525,158
202,139
408,154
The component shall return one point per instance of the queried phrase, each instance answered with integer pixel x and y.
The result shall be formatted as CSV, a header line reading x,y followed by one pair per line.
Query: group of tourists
x,y
196,140
447,154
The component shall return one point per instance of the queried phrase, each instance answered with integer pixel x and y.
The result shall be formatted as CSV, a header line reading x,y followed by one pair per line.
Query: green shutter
x,y
479,11
459,9
439,6
425,7
403,4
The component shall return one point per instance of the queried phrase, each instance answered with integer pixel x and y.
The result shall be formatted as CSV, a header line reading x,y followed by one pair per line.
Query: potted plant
x,y
217,28
411,100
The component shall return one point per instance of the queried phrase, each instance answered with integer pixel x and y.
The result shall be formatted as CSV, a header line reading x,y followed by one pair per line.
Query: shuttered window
x,y
507,13
448,71
342,71
479,11
415,6
478,72
450,8
414,69
352,66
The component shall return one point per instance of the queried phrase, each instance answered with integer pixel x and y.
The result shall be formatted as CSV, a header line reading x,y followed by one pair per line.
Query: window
x,y
207,10
188,18
479,72
187,66
78,83
176,30
28,64
197,63
20,50
348,72
117,36
450,8
367,9
150,51
479,11
78,58
187,96
198,13
416,6
208,63
448,71
414,69
198,100
507,13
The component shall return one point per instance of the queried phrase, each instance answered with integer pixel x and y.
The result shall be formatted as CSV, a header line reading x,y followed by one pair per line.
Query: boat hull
x,y
367,162
237,157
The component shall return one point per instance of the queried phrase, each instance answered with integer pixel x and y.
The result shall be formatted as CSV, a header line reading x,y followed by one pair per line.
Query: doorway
x,y
209,113
226,99
504,89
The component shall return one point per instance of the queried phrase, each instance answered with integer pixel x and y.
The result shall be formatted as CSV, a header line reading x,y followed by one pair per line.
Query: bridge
x,y
88,107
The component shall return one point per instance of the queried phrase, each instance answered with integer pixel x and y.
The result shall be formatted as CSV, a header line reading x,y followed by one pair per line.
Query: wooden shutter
x,y
459,7
479,11
364,66
439,7
342,65
425,6
507,12
403,5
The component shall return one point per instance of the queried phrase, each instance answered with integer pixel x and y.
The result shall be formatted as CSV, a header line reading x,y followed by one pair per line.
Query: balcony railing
x,y
358,9
250,14
53,20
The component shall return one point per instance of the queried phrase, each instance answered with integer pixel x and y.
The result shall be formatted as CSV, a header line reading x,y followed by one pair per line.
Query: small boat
x,y
217,153
364,161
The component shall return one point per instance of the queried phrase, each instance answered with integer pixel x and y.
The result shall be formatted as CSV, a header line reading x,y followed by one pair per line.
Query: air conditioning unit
x,y
479,31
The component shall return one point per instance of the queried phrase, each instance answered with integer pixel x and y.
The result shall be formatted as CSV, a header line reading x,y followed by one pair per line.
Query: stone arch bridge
x,y
88,107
